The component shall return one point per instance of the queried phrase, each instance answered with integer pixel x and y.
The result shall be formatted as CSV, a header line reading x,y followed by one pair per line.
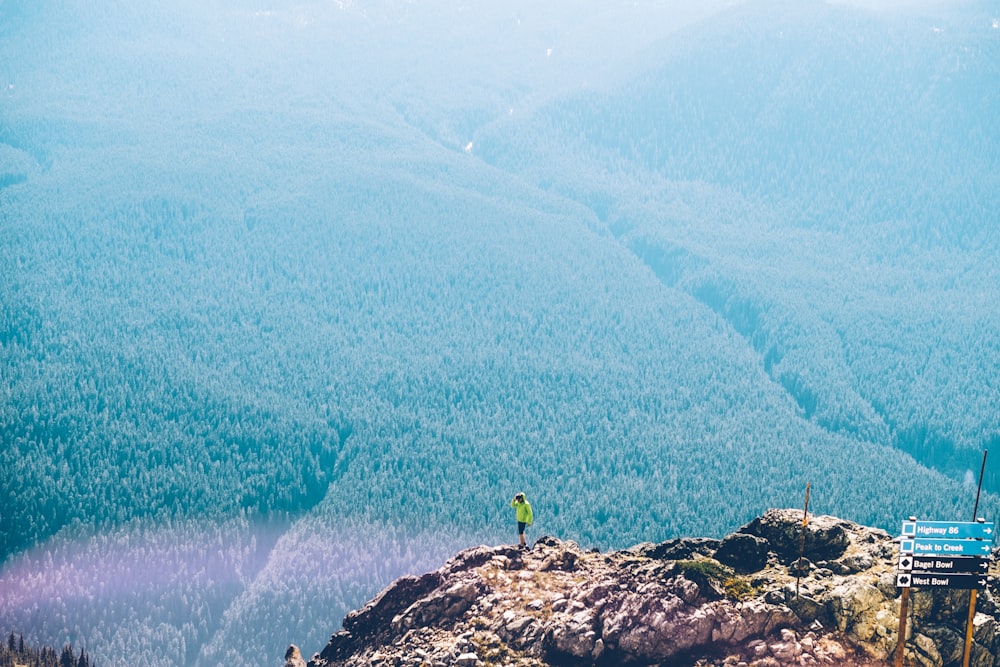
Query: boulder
x,y
854,607
950,643
806,607
743,552
752,619
682,548
476,556
826,537
647,629
856,563
576,637
448,602
375,616
293,657
372,624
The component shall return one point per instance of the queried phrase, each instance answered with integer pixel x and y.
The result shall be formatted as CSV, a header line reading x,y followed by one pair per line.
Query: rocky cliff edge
x,y
689,601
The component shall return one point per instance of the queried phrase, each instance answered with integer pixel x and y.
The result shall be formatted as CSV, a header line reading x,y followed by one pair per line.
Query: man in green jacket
x,y
524,516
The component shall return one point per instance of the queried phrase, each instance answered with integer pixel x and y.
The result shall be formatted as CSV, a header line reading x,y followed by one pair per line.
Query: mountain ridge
x,y
777,592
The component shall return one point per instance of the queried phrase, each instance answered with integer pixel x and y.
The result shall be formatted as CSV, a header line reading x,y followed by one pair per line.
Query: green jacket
x,y
524,514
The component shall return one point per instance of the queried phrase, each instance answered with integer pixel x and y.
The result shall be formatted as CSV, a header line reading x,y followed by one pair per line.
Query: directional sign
x,y
958,530
956,581
929,547
944,564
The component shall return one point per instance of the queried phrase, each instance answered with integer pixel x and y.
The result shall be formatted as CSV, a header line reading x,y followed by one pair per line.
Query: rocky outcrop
x,y
293,657
824,537
751,599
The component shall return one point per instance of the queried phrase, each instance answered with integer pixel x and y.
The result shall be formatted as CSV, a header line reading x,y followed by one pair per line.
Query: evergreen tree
x,y
66,658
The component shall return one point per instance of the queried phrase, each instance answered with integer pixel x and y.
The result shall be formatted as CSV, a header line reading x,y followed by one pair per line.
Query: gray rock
x,y
950,643
924,651
806,607
743,552
374,617
652,629
682,548
857,608
826,537
598,650
293,657
476,556
576,637
448,603
856,563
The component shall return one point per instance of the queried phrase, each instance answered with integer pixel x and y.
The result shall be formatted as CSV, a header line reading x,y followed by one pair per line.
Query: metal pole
x,y
970,623
904,609
802,545
982,469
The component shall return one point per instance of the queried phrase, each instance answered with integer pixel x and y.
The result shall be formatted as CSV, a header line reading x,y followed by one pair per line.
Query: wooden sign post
x,y
904,610
970,624
968,628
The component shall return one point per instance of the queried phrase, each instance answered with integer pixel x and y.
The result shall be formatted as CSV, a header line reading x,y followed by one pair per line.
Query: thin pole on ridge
x,y
970,621
802,544
982,470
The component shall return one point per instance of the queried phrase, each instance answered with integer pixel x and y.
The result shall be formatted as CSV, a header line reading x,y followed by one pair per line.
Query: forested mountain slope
x,y
826,180
294,296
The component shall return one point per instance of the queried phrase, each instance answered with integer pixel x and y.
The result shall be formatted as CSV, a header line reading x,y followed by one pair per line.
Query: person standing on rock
x,y
524,516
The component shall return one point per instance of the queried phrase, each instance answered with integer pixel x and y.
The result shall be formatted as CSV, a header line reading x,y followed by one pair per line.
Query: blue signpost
x,y
944,554
934,547
956,530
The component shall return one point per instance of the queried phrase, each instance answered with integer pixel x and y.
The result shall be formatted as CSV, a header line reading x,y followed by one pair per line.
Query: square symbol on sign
x,y
906,546
909,529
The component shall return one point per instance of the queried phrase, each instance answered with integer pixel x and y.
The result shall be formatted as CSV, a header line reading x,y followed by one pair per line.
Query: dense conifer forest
x,y
295,295
14,653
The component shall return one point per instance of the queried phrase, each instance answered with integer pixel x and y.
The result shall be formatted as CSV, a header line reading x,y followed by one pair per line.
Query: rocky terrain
x,y
690,601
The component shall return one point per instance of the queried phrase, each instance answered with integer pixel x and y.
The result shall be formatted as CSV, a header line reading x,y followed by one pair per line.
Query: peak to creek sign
x,y
944,554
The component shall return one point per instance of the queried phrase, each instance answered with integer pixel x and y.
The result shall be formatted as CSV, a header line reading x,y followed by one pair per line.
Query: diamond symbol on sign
x,y
905,563
902,580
